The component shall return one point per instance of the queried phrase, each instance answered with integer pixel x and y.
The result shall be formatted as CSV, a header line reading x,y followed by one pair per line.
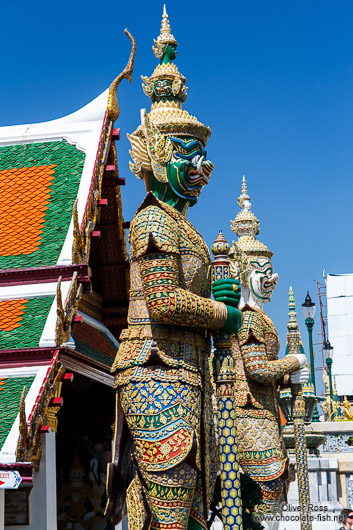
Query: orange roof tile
x,y
11,312
22,214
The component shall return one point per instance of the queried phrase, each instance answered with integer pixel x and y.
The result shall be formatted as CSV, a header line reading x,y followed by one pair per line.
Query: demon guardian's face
x,y
188,170
262,280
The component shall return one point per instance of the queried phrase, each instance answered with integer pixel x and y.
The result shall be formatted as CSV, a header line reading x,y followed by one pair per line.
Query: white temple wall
x,y
340,329
42,499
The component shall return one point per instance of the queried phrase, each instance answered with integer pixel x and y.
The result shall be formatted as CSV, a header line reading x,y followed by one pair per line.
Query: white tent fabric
x,y
340,329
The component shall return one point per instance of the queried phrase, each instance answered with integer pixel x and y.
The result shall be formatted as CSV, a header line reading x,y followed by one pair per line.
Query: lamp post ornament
x,y
328,352
309,313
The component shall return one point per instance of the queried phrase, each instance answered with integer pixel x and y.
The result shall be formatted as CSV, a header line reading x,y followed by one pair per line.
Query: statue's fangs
x,y
165,448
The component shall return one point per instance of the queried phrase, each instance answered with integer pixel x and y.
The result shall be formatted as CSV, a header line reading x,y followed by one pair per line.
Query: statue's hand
x,y
227,291
301,357
234,320
301,376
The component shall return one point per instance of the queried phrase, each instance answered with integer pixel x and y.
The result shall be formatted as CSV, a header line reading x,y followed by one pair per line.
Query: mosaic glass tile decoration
x,y
38,187
10,395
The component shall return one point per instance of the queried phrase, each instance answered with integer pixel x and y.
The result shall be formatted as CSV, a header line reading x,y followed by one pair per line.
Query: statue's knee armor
x,y
171,496
162,418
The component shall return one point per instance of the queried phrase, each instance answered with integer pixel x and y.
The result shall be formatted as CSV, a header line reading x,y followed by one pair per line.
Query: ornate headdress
x,y
165,37
247,226
167,91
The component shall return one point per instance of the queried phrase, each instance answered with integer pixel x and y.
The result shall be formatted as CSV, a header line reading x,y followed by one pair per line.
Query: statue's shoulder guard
x,y
252,327
153,229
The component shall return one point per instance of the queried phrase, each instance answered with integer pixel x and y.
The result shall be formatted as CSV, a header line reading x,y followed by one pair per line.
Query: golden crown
x,y
167,91
165,36
247,226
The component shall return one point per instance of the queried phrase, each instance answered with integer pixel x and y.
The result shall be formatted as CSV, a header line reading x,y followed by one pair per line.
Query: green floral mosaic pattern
x,y
31,325
62,191
10,396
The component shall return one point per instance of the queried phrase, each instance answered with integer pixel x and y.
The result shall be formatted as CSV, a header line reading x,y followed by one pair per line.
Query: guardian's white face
x,y
262,280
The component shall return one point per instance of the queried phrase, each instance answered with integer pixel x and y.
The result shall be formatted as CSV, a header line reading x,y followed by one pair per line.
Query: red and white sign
x,y
10,480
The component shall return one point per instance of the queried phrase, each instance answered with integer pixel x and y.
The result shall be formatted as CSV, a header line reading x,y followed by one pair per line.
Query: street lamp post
x,y
309,309
328,354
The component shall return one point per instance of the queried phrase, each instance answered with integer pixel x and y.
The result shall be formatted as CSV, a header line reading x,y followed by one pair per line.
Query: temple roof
x,y
62,248
38,187
44,168
25,395
94,340
22,321
10,396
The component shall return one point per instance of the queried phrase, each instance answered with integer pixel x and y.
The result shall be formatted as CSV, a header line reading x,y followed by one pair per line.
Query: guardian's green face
x,y
188,171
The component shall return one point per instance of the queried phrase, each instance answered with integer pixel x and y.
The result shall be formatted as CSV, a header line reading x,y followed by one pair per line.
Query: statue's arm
x,y
258,368
154,243
167,302
253,349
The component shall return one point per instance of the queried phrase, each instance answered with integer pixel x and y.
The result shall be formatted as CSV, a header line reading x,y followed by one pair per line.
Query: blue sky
x,y
274,81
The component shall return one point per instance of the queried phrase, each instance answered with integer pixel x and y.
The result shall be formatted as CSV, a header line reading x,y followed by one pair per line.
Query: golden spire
x,y
165,36
293,335
165,27
247,226
291,305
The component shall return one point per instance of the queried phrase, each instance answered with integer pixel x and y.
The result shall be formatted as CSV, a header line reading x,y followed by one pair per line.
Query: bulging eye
x,y
196,159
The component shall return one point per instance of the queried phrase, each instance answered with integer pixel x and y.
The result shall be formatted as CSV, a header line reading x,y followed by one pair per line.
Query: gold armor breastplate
x,y
194,267
176,347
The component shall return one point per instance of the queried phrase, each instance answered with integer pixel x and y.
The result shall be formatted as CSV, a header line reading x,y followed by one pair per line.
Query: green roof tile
x,y
22,322
10,396
37,201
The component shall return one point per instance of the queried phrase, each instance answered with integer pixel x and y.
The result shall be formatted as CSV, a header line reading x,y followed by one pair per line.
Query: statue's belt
x,y
173,334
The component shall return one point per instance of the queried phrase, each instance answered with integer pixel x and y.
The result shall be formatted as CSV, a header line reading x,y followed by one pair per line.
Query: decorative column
x,y
224,377
298,415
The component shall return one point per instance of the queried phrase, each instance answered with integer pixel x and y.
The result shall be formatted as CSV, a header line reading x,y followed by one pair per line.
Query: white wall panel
x,y
340,329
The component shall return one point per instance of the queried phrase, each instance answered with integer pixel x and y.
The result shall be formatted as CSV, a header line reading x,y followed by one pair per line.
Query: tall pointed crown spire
x,y
165,36
167,91
293,334
291,304
247,226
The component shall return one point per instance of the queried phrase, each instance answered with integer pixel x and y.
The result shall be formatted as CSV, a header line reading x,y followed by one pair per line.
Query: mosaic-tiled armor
x,y
165,417
261,448
162,363
262,453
